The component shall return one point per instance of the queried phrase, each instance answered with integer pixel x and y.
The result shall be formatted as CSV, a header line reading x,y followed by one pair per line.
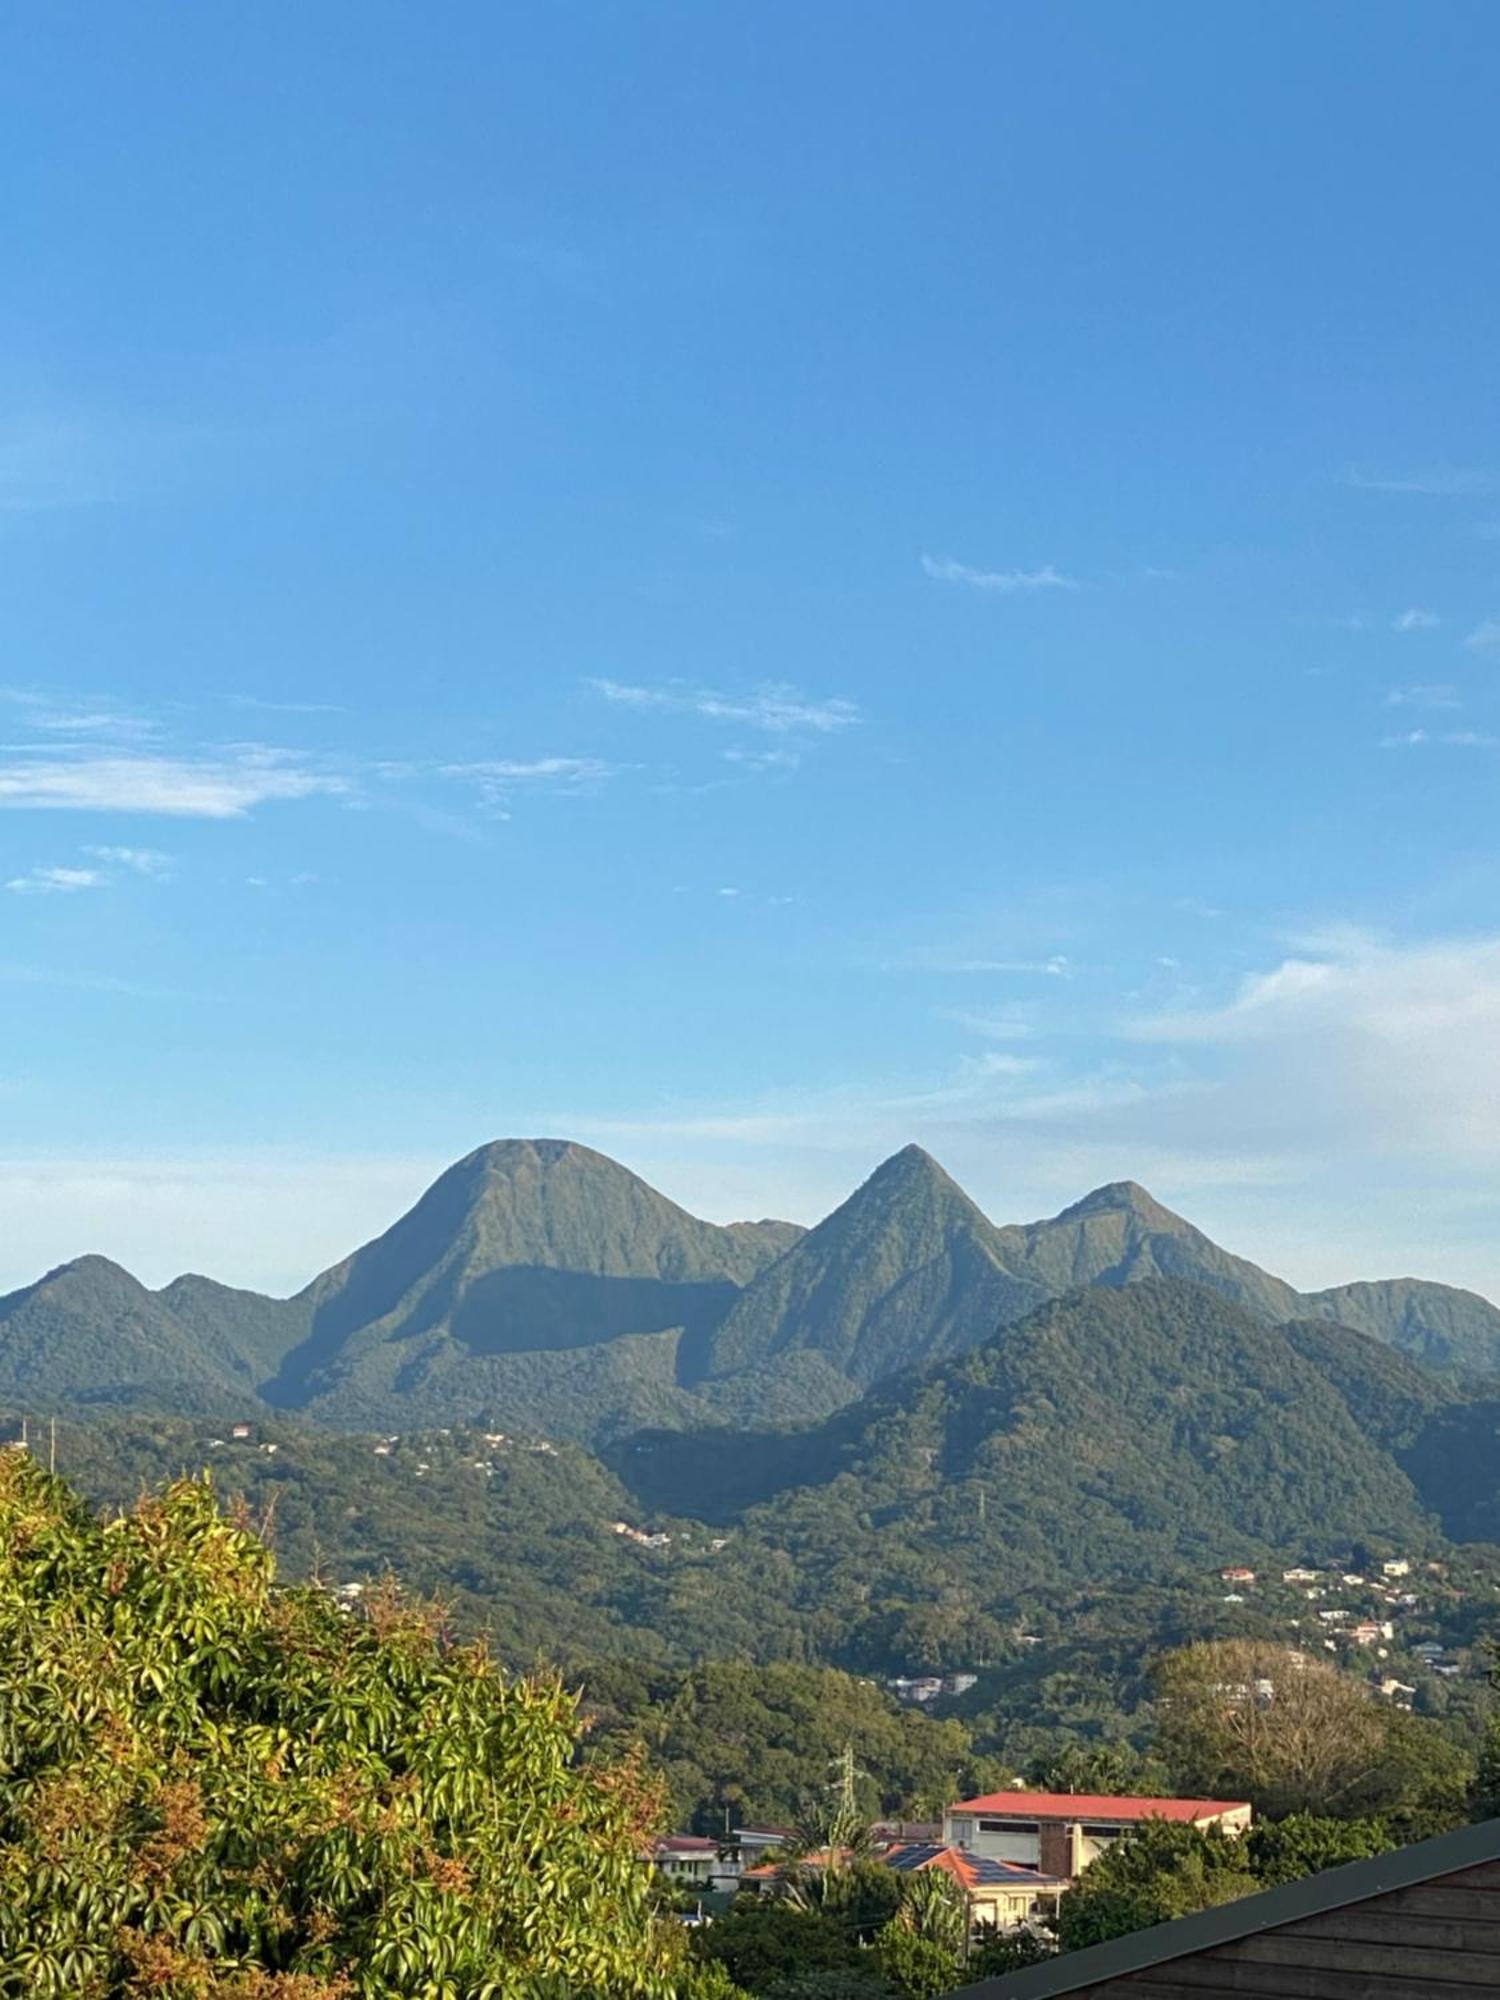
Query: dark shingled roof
x,y
1206,1930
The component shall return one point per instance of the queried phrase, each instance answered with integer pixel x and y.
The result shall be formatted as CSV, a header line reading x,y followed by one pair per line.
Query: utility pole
x,y
52,1448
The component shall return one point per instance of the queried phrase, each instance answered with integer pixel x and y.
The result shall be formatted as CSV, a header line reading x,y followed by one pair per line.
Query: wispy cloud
x,y
89,718
1424,694
226,785
776,707
498,779
1003,582
1439,481
1485,634
140,860
994,1027
780,759
287,707
1416,620
56,881
1056,966
1453,739
64,880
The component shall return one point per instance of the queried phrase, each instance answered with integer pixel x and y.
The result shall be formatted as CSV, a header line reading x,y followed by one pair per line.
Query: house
x,y
1060,1833
753,1843
1299,1576
999,1893
685,1858
1002,1893
1369,1630
1413,1925
239,1431
1400,1692
916,1687
1237,1574
1400,1567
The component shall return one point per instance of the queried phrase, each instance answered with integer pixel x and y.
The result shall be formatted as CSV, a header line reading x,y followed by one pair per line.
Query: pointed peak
x,y
90,1269
910,1176
1129,1197
911,1163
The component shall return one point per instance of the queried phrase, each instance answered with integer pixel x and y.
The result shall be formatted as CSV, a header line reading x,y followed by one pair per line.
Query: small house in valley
x,y
1060,1833
686,1859
998,1893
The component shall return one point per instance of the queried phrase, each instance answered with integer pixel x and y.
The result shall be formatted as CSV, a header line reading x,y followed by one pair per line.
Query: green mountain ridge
x,y
907,1268
1116,1446
539,1285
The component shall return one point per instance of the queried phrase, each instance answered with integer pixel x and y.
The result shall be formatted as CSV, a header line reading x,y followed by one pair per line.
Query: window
x,y
1009,1826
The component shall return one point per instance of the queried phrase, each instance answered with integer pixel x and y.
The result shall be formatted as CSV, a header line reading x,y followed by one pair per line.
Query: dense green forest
x,y
1045,1513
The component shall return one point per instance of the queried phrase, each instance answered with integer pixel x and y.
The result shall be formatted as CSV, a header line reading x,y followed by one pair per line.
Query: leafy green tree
x,y
738,1742
212,1788
1250,1718
1110,1768
996,1952
1285,1850
859,1895
1484,1795
766,1939
918,1967
1160,1870
860,1982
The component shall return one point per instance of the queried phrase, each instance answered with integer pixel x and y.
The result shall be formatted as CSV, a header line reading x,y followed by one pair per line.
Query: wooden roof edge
x,y
1332,1889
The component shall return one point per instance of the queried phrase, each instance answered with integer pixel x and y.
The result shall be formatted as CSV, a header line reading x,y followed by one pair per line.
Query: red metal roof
x,y
1087,1805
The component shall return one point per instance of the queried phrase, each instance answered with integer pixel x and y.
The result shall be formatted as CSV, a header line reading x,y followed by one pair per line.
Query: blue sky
x,y
748,584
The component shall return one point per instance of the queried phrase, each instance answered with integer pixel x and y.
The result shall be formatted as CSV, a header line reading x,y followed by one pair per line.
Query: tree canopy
x,y
214,1786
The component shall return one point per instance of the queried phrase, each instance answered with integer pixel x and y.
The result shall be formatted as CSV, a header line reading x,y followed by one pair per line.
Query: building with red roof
x,y
1000,1893
1060,1833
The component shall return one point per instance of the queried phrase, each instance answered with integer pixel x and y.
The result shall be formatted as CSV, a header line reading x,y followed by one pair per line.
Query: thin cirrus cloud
x,y
1485,634
105,866
498,779
220,786
1000,582
139,860
1424,694
1450,739
1455,482
90,718
56,881
1414,619
777,708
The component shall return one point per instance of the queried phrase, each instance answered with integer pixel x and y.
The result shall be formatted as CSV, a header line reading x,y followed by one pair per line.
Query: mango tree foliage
x,y
214,1786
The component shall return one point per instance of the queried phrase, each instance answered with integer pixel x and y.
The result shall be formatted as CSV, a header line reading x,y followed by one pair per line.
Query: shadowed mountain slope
x,y
906,1271
531,1247
1115,1433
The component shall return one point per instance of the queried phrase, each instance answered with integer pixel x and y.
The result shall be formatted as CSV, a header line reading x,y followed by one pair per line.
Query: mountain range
x,y
540,1285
